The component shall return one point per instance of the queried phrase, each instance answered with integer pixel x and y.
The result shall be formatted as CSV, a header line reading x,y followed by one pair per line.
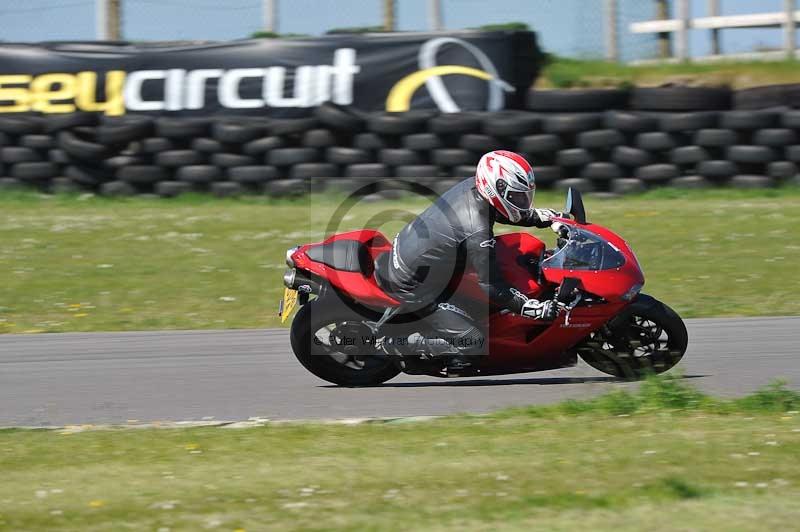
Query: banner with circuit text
x,y
450,72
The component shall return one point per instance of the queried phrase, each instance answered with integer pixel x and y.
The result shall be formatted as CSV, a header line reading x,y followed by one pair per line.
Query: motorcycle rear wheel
x,y
316,334
650,339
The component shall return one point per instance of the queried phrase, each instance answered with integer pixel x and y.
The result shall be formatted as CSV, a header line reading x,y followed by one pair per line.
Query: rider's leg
x,y
454,335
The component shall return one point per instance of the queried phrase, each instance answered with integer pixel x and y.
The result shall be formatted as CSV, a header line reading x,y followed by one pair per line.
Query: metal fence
x,y
575,28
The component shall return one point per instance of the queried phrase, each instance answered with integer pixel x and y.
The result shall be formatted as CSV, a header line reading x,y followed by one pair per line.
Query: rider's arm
x,y
481,255
537,218
480,248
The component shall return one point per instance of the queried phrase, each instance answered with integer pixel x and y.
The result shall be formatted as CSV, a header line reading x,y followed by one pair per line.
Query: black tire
x,y
15,154
284,188
199,174
263,145
370,141
117,189
571,123
367,171
464,171
602,172
578,183
55,123
339,118
37,142
657,173
680,98
765,97
175,158
291,156
648,337
291,126
81,149
316,315
690,182
118,161
182,128
417,170
656,141
57,156
715,138
793,153
631,157
511,124
453,157
576,100
542,144
573,157
253,175
480,143
340,155
87,176
124,133
717,170
204,145
141,174
687,121
318,138
171,189
399,156
627,185
155,145
782,170
747,120
455,123
751,154
233,132
397,123
777,137
17,125
314,170
602,139
791,119
226,189
422,142
688,155
547,175
752,181
229,160
38,171
628,122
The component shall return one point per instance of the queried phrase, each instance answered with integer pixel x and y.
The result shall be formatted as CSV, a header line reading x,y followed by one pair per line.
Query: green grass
x,y
563,72
672,460
94,264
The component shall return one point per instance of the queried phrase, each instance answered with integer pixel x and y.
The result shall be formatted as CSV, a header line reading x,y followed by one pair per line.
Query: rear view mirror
x,y
574,205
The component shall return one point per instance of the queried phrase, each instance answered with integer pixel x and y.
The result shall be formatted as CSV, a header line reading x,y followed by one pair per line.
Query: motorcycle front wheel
x,y
649,338
328,341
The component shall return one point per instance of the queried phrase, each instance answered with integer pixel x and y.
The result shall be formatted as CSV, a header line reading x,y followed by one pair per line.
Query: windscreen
x,y
585,251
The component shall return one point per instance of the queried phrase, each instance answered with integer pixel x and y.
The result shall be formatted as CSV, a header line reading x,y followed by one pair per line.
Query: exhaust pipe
x,y
300,282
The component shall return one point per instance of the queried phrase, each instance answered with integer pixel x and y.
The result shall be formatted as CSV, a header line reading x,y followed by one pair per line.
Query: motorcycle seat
x,y
343,255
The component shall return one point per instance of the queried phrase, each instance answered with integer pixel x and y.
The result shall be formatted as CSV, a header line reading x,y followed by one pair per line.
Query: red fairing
x,y
608,284
362,288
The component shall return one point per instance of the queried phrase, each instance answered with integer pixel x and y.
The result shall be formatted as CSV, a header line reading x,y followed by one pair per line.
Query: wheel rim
x,y
342,343
640,345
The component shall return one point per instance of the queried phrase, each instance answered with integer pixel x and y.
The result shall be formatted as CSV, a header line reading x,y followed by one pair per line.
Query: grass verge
x,y
96,264
664,458
564,72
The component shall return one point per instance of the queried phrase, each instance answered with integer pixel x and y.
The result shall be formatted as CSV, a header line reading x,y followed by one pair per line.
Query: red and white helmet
x,y
505,179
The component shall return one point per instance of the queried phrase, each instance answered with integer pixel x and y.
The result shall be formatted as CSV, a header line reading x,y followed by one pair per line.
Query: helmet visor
x,y
520,200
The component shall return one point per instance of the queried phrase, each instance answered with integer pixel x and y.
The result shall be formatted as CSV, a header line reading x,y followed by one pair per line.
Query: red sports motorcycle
x,y
351,332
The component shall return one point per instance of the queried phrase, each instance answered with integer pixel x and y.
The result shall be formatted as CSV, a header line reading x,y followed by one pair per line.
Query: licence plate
x,y
288,303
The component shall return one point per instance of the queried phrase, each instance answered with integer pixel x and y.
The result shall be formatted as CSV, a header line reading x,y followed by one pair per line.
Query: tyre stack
x,y
612,140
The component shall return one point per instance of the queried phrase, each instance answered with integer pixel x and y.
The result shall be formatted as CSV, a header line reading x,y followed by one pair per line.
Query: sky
x,y
565,27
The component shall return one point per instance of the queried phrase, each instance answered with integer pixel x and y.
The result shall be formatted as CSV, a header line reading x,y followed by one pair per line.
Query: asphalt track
x,y
74,378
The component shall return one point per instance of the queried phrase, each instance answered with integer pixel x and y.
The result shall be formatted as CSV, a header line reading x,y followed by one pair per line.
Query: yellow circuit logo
x,y
62,93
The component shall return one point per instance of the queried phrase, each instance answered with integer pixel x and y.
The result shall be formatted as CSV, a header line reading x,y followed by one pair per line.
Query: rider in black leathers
x,y
455,232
